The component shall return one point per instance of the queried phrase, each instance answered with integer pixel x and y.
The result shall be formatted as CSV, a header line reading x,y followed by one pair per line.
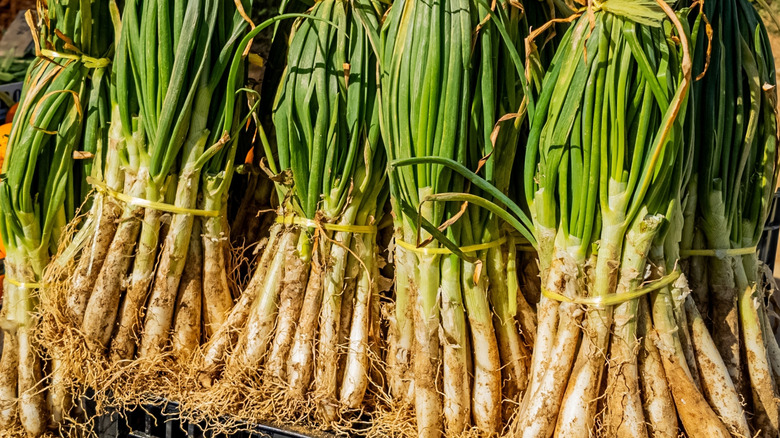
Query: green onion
x,y
438,121
12,68
211,147
168,121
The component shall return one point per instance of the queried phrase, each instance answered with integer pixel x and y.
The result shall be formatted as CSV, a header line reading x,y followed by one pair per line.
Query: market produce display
x,y
432,218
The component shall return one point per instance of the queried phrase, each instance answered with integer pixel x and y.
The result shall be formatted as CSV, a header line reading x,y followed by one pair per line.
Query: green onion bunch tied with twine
x,y
455,350
308,320
151,252
62,112
735,143
604,168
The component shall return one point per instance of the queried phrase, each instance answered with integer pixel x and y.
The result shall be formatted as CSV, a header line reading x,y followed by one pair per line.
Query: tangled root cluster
x,y
238,399
88,375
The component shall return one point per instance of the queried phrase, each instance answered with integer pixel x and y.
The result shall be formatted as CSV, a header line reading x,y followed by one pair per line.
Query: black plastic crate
x,y
162,421
109,425
156,421
767,246
199,434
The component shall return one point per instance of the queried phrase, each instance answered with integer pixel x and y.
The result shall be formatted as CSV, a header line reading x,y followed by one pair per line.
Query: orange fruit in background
x,y
5,131
9,116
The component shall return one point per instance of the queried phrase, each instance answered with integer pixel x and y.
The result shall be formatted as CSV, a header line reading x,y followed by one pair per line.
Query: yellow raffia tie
x,y
719,253
615,299
445,251
310,223
140,202
88,61
23,285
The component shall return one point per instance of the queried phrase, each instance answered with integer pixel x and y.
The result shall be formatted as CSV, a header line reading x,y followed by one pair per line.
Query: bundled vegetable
x,y
210,149
175,118
439,119
604,168
309,316
736,153
135,276
644,193
60,115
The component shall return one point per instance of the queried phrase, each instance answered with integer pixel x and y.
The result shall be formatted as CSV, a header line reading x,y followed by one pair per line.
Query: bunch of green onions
x,y
310,313
438,125
161,185
604,165
59,115
736,151
643,190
